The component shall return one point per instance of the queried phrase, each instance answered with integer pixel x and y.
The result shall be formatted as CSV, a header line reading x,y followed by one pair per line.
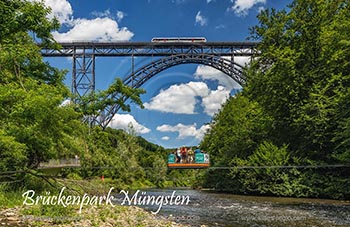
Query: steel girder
x,y
83,75
151,49
143,74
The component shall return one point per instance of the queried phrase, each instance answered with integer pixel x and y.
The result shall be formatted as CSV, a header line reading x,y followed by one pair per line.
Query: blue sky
x,y
180,101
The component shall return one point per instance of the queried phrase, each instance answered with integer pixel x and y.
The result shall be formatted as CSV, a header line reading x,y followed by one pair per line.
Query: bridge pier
x,y
83,74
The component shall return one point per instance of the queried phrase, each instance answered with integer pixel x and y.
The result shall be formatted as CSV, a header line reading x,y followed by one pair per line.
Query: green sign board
x,y
171,158
199,158
202,158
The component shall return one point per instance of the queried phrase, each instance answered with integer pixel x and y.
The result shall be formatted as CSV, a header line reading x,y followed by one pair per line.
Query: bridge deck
x,y
151,49
188,165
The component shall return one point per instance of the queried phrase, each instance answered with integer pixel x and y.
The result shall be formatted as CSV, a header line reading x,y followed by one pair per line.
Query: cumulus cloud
x,y
180,99
103,28
123,121
209,73
98,29
213,102
241,7
185,130
165,138
61,9
183,98
200,19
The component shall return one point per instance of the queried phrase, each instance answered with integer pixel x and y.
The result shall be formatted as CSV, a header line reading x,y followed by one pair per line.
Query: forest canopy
x,y
34,125
293,109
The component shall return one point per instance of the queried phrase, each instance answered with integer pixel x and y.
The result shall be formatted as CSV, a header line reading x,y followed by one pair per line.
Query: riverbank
x,y
206,209
14,213
91,216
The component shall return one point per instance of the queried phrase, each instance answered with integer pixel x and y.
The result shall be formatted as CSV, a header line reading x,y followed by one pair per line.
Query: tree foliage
x,y
236,130
299,84
303,73
33,124
116,95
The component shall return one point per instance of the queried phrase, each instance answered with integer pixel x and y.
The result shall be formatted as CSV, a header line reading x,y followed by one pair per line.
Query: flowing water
x,y
226,210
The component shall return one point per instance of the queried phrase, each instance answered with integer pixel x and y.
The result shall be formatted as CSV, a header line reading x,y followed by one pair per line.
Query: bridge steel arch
x,y
84,55
146,72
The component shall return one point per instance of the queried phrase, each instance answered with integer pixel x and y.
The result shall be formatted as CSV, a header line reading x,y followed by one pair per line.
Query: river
x,y
226,210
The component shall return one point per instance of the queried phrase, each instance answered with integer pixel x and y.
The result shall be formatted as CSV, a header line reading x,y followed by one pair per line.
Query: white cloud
x,y
165,138
185,130
123,121
212,103
241,7
180,99
209,73
102,28
261,8
106,13
120,15
201,20
61,9
243,61
98,29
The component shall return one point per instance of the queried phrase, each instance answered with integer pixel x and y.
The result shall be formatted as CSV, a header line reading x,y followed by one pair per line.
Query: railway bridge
x,y
164,54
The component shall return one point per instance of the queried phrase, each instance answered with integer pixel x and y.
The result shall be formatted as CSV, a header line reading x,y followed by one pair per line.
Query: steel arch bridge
x,y
167,54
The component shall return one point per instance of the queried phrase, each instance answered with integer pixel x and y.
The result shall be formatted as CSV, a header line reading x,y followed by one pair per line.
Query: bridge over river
x,y
163,55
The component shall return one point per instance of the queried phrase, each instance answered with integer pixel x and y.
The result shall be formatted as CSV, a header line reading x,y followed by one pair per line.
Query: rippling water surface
x,y
214,209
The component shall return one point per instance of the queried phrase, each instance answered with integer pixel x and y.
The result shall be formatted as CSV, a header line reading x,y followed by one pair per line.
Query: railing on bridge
x,y
200,161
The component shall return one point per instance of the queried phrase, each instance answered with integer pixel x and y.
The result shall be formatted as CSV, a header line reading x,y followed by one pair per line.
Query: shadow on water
x,y
226,210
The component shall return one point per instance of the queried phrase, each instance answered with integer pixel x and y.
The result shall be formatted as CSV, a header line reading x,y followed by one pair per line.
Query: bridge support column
x,y
83,74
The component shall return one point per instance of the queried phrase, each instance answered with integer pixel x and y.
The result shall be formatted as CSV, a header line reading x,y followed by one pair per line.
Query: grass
x,y
57,215
8,198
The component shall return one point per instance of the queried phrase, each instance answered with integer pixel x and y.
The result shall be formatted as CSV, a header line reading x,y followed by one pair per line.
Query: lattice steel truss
x,y
209,53
152,49
83,75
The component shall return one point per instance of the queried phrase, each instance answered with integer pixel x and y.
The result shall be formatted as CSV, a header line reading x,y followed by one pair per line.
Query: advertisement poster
x,y
224,113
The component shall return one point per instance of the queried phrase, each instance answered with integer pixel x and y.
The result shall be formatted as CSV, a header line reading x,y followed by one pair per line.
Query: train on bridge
x,y
179,40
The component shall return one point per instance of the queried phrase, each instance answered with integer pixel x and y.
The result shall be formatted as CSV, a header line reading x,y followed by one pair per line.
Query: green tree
x,y
297,91
236,131
302,73
265,178
32,121
31,91
116,94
